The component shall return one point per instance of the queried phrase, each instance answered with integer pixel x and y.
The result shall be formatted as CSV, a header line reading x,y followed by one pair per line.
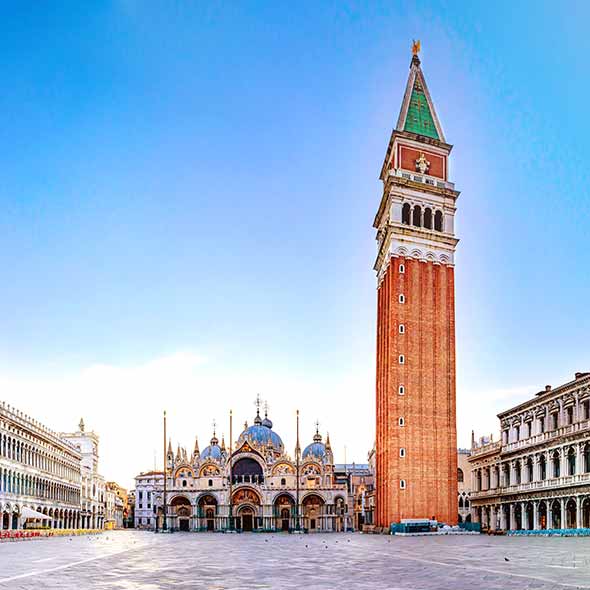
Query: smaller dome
x,y
211,452
316,450
267,422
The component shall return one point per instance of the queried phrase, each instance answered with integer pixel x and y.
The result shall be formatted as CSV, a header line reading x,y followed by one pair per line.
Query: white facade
x,y
93,484
39,471
538,475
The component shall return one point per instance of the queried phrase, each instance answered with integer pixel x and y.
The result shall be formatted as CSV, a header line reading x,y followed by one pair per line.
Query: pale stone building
x,y
40,474
537,476
464,485
93,484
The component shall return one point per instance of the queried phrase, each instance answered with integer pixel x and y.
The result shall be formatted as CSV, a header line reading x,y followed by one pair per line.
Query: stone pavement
x,y
134,560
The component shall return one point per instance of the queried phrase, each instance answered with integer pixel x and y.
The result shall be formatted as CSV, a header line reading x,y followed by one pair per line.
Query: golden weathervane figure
x,y
415,47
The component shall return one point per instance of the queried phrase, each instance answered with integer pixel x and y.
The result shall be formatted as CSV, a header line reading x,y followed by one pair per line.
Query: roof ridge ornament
x,y
415,51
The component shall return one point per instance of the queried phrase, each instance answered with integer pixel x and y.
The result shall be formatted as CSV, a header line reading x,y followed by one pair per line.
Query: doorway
x,y
247,522
183,524
285,519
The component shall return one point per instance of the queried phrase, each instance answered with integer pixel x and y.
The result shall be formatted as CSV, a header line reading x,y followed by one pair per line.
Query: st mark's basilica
x,y
257,489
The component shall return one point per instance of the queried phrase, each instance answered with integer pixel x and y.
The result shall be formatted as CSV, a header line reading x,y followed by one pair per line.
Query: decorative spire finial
x,y
257,403
415,46
81,425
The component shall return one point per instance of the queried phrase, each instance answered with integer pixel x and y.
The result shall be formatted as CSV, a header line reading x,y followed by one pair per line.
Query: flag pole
x,y
164,524
231,518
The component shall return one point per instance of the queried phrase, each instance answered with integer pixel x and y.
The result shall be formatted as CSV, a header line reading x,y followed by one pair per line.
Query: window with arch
x,y
402,329
542,467
401,421
402,298
571,462
555,461
417,216
401,390
402,484
406,214
402,359
460,476
402,452
184,483
569,415
586,458
402,269
438,221
283,481
428,218
210,483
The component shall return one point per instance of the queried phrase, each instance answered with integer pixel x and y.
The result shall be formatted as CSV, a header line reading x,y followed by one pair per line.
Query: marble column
x,y
536,515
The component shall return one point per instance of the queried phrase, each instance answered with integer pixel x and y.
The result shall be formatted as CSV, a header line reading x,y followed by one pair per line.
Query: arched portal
x,y
284,511
528,517
586,513
181,507
570,514
247,503
542,514
207,510
312,512
555,515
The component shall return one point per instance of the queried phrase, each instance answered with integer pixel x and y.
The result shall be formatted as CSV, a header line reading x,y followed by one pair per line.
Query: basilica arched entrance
x,y
313,512
283,510
207,511
247,503
570,514
181,508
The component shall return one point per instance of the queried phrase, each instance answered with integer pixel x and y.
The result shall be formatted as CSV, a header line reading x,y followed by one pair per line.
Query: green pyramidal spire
x,y
417,114
419,119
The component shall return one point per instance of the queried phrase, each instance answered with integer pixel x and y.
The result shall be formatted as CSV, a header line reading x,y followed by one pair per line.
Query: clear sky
x,y
187,193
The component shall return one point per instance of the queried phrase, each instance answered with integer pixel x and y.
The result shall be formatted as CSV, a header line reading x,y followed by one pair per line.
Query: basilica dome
x,y
213,451
261,435
317,449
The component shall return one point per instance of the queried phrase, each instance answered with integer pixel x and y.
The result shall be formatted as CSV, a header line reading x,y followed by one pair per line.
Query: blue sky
x,y
193,185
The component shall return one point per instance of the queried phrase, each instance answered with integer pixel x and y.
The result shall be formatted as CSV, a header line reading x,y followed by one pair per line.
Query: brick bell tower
x,y
416,444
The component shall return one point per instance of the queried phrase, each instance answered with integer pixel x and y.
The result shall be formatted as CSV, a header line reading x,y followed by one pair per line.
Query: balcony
x,y
543,437
423,179
545,484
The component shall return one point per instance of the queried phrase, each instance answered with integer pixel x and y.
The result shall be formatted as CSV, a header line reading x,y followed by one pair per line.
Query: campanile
x,y
416,444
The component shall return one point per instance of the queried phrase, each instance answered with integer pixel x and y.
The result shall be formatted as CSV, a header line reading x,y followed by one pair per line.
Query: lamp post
x,y
164,524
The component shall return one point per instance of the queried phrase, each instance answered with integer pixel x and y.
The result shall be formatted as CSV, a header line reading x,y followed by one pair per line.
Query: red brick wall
x,y
428,406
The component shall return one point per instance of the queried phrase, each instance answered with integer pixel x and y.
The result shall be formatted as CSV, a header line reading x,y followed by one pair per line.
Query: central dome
x,y
261,435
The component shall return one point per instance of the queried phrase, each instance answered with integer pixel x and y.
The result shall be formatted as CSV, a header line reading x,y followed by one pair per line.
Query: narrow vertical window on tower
x,y
402,484
401,390
438,221
402,359
417,216
402,299
402,452
406,214
402,329
402,269
428,218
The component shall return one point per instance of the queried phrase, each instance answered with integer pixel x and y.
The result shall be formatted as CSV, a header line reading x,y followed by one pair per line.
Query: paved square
x,y
133,560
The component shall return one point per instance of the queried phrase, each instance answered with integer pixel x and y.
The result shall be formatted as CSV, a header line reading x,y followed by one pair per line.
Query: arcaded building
x,y
260,486
537,476
40,474
416,443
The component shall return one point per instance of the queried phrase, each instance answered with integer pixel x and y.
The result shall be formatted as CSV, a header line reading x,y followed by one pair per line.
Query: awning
x,y
29,513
